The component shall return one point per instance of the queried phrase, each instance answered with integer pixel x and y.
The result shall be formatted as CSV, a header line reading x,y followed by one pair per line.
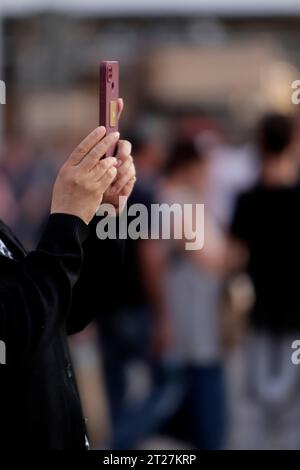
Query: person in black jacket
x,y
49,293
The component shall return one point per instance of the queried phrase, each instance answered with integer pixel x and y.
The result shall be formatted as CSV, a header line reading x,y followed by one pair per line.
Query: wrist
x,y
69,213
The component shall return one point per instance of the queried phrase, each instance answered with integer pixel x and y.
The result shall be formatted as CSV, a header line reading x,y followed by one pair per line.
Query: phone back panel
x,y
109,94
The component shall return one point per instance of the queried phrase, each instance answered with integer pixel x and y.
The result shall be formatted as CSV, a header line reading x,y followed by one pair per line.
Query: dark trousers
x,y
206,405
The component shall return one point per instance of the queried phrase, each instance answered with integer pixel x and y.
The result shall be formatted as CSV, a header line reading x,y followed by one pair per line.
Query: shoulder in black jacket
x,y
44,296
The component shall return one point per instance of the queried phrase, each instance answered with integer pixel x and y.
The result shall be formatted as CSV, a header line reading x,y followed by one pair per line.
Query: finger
x,y
98,152
107,179
126,190
123,150
120,106
128,172
86,145
123,166
124,161
98,171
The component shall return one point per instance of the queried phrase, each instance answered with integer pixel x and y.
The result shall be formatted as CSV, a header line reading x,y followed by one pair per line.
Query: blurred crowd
x,y
195,351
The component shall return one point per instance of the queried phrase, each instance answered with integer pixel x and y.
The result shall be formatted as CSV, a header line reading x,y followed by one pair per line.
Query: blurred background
x,y
195,352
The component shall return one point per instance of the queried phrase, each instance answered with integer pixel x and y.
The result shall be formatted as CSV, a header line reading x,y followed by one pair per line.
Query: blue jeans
x,y
200,387
206,401
125,338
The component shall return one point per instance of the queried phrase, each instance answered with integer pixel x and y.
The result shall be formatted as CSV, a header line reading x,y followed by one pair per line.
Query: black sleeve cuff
x,y
62,231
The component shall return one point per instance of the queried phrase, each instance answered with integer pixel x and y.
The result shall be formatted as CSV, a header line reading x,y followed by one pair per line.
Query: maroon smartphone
x,y
109,94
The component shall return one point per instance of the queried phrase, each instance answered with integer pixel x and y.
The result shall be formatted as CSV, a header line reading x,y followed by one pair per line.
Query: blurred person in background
x,y
233,165
266,223
233,169
135,330
8,204
15,166
30,174
194,290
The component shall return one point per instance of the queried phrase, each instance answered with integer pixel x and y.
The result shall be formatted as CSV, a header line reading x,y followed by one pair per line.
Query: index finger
x,y
86,145
98,152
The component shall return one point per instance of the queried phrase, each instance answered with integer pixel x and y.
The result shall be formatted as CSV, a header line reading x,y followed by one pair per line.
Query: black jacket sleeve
x,y
97,287
34,301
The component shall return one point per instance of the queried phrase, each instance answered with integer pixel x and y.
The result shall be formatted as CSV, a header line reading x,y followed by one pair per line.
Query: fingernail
x,y
116,134
113,190
119,162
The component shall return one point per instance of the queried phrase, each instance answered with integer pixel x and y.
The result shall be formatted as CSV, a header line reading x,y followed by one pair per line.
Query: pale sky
x,y
153,6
